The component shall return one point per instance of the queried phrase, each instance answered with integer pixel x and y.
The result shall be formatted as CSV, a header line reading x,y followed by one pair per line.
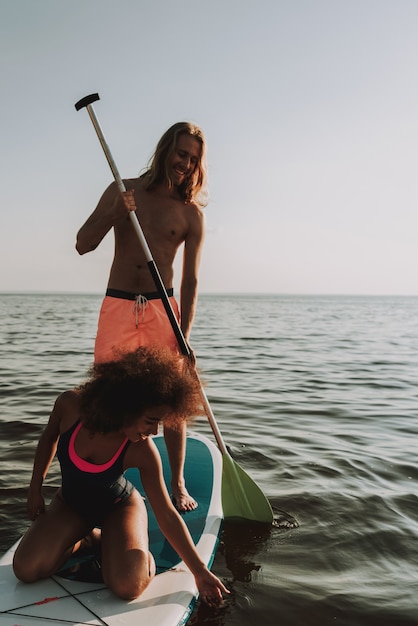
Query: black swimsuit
x,y
91,490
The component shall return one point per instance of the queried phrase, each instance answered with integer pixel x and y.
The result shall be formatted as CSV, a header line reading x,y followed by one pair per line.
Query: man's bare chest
x,y
161,218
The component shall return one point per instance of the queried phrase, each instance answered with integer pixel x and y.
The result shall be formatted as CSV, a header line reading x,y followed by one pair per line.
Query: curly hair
x,y
118,392
193,188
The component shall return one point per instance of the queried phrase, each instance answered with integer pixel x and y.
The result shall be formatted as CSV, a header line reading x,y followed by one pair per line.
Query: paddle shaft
x,y
87,103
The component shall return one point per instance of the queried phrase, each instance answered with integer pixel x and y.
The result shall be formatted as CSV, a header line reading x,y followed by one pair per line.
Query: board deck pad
x,y
77,596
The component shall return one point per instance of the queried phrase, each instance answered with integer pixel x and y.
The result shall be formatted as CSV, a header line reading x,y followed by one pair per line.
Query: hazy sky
x,y
310,110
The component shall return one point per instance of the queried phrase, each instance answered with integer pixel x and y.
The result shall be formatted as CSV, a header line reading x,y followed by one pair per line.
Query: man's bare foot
x,y
182,500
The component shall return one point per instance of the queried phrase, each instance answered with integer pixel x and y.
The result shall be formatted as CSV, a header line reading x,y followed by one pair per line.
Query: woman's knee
x,y
32,563
128,588
29,570
134,582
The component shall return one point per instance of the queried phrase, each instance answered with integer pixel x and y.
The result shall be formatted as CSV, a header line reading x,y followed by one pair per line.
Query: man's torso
x,y
165,221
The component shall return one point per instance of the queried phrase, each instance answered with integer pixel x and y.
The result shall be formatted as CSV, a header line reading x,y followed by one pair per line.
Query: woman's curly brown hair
x,y
118,392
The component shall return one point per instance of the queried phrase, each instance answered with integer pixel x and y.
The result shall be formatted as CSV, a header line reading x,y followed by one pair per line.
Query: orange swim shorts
x,y
127,321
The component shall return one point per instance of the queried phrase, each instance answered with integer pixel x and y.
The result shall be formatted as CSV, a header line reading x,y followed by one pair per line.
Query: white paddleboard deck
x,y
168,600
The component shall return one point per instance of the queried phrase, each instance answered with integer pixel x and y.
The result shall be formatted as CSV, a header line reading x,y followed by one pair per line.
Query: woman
x,y
98,431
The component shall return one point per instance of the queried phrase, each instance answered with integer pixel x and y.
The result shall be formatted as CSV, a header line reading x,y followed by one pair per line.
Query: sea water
x,y
317,399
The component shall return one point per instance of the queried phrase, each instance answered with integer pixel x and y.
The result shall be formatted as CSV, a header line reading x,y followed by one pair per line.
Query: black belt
x,y
127,295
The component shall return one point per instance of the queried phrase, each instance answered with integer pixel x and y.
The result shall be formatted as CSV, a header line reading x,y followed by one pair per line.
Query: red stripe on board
x,y
46,600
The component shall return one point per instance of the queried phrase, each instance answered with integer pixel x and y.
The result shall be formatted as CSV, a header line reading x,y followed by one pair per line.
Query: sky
x,y
309,108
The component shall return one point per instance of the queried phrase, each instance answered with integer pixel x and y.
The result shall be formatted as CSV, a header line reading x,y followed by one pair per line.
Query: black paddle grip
x,y
184,348
87,100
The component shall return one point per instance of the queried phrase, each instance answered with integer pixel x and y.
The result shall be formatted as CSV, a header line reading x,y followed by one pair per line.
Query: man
x,y
168,203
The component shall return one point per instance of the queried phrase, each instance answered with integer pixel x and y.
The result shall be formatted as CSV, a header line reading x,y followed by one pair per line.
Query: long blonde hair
x,y
194,187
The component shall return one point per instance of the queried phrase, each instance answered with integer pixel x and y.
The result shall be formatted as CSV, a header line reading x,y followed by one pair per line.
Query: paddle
x,y
241,497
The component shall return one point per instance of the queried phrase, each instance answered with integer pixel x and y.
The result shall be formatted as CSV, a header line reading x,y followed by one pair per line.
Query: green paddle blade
x,y
241,497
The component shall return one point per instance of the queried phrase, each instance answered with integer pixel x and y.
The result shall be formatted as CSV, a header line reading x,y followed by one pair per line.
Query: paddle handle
x,y
212,422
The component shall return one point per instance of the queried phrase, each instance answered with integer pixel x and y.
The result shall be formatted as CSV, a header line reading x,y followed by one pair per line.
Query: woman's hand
x,y
211,589
35,504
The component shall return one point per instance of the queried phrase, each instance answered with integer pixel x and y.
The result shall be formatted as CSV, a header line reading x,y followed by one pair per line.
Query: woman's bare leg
x,y
49,542
127,565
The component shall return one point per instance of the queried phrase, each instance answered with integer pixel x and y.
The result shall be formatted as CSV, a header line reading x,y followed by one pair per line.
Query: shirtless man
x,y
167,201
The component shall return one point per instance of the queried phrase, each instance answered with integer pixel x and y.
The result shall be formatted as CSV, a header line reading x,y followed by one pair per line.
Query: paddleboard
x,y
77,596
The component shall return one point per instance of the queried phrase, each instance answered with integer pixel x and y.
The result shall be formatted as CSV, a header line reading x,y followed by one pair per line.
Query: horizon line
x,y
220,293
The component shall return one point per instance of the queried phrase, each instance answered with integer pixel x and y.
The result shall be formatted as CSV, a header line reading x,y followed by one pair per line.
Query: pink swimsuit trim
x,y
86,466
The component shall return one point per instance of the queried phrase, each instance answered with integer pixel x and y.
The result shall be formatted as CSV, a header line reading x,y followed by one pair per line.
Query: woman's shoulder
x,y
69,398
66,408
141,454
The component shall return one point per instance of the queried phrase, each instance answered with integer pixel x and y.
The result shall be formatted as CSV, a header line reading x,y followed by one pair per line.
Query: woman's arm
x,y
174,528
44,454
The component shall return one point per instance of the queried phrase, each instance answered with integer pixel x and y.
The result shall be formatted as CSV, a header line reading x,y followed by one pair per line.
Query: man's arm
x,y
109,210
190,276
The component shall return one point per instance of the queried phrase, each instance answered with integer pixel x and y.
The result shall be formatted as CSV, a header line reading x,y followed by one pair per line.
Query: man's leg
x,y
176,447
